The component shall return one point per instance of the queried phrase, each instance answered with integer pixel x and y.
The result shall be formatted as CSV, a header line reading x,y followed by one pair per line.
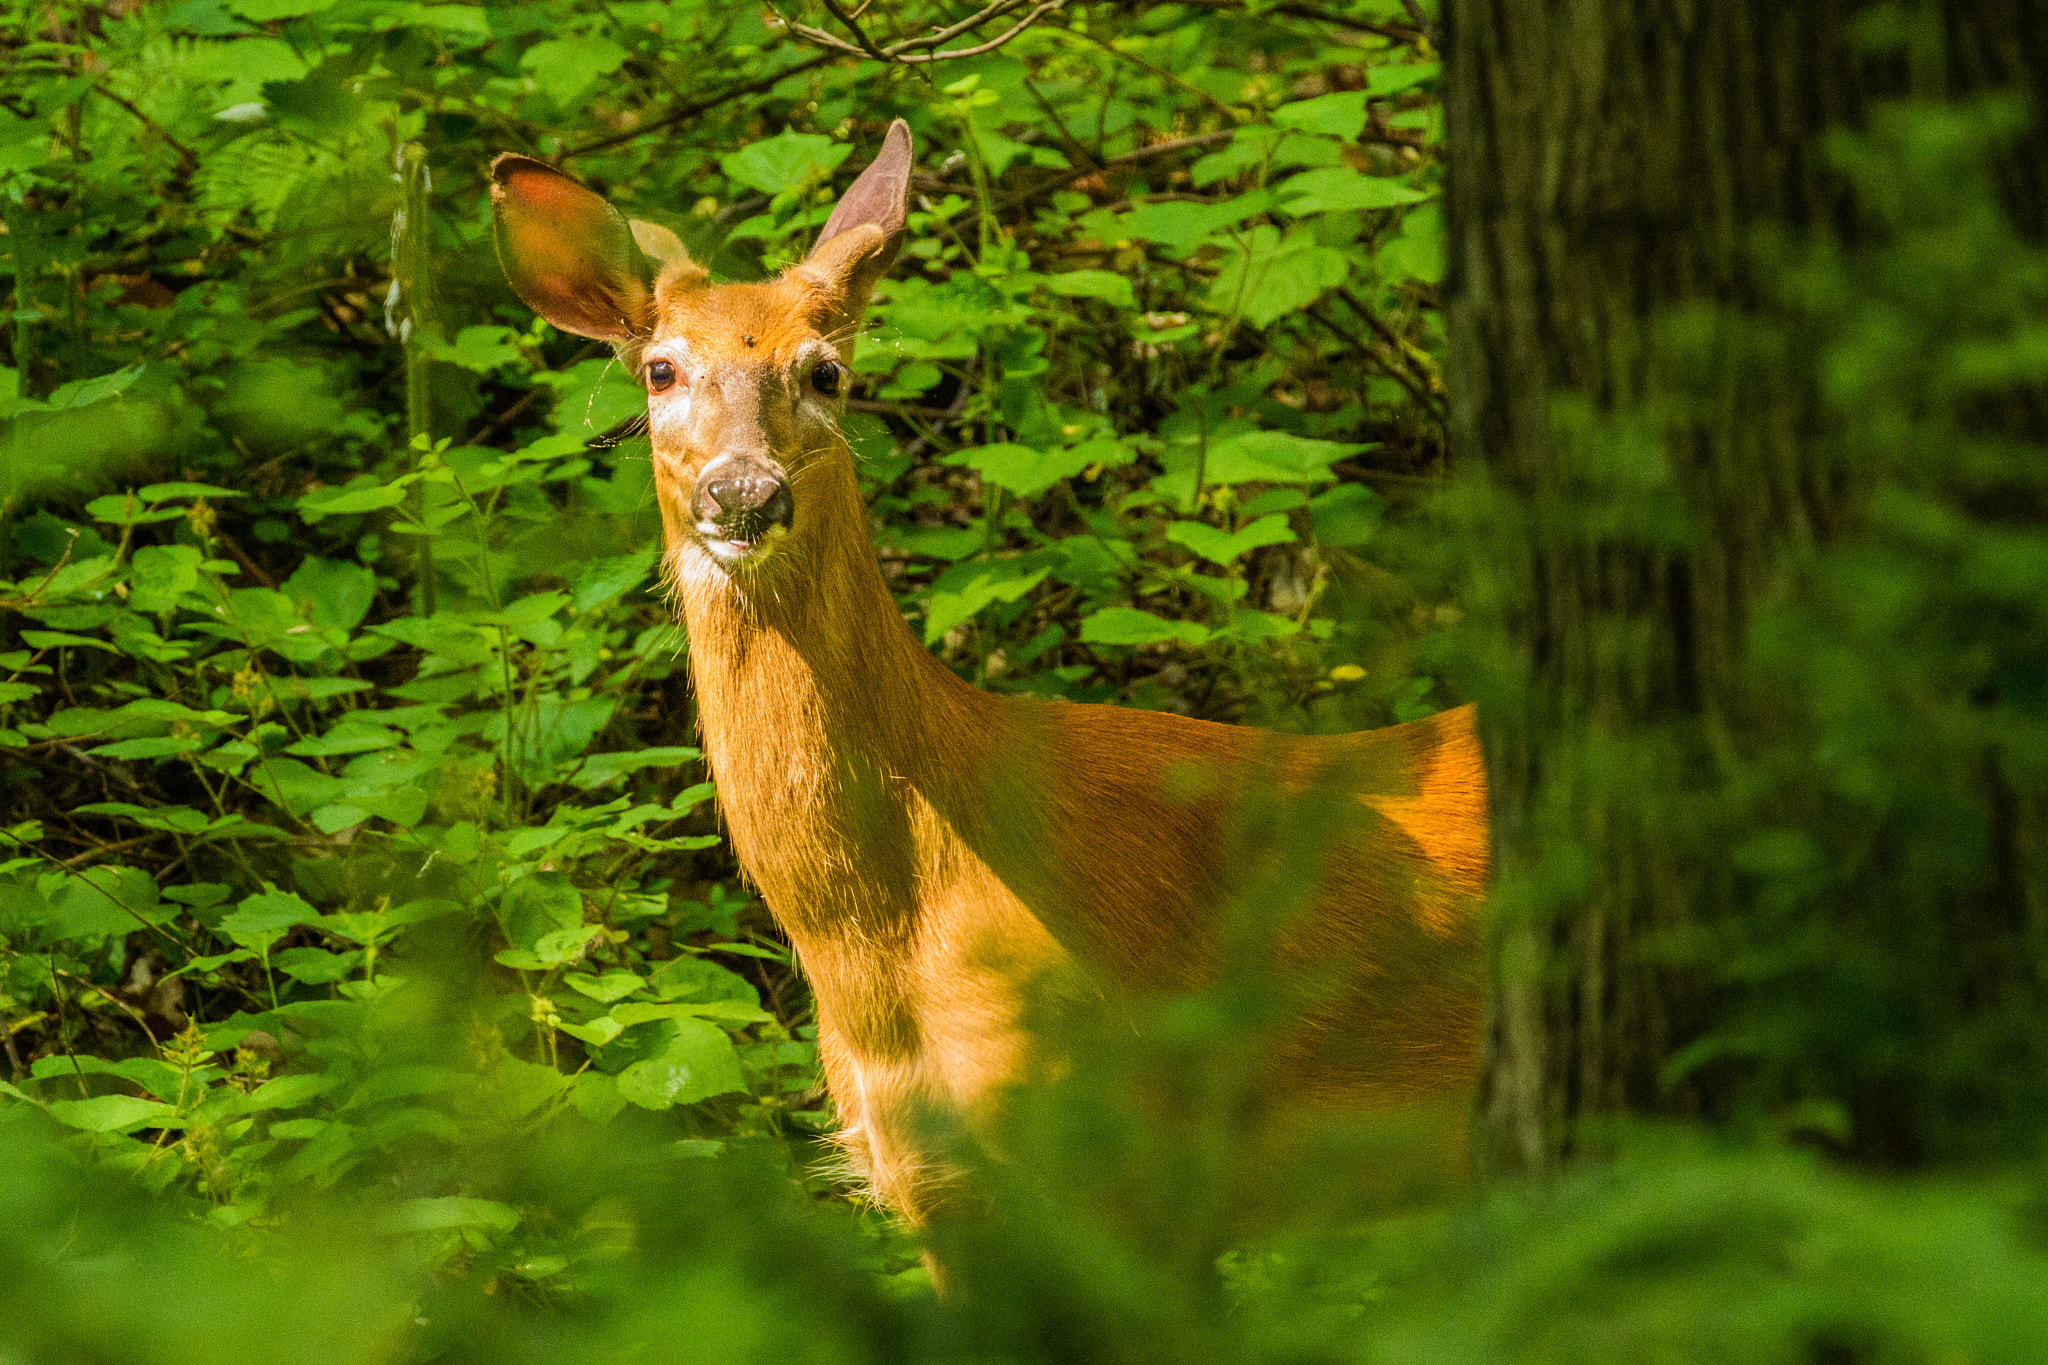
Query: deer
x,y
944,860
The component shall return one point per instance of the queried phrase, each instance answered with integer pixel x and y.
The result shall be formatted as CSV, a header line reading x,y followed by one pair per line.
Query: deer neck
x,y
826,724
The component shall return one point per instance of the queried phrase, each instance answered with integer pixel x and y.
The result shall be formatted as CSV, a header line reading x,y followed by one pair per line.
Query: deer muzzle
x,y
740,504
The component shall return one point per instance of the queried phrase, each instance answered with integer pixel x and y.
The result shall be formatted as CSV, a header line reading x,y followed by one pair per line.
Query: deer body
x,y
948,863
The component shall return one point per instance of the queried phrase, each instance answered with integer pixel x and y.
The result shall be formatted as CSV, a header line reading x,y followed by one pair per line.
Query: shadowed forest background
x,y
375,984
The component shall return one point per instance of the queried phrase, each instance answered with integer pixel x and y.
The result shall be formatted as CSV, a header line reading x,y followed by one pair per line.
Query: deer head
x,y
745,382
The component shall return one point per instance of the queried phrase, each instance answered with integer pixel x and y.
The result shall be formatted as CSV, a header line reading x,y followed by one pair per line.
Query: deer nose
x,y
748,496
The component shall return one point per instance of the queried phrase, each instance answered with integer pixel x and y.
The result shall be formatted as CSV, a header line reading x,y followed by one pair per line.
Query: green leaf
x,y
604,988
1337,188
125,509
1130,626
363,494
264,11
697,1063
965,589
1276,457
1183,225
563,68
449,1211
161,574
1337,115
109,1113
286,1092
271,912
1108,285
1382,81
1022,470
602,580
786,161
160,492
1259,625
161,746
1416,252
53,639
1346,515
1222,547
1271,277
480,349
332,592
85,392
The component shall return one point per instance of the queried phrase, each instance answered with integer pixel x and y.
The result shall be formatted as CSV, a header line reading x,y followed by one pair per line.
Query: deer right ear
x,y
859,241
569,255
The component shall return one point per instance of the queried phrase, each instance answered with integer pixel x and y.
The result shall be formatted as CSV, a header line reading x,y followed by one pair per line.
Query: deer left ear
x,y
860,240
570,256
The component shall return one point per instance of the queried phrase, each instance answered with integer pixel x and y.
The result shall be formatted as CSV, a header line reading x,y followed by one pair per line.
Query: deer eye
x,y
825,378
660,374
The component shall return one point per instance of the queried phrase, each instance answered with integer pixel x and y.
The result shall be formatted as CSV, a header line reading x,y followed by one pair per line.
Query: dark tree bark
x,y
1626,176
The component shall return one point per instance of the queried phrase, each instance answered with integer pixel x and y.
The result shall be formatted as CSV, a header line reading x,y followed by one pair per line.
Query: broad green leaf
x,y
1346,515
1183,225
697,1063
598,769
1416,252
606,987
85,392
160,492
364,494
481,349
1222,547
332,592
287,1092
264,11
965,589
109,1113
564,68
1020,469
449,1211
1130,626
1382,81
1259,625
160,746
1272,277
602,580
57,639
784,162
161,574
1340,188
125,509
1337,115
271,912
1108,285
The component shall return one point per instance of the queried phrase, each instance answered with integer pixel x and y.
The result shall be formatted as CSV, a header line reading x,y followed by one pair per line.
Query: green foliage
x,y
354,827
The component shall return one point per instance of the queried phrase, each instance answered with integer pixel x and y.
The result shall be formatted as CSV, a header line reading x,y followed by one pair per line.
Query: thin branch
x,y
904,52
1393,33
186,158
696,107
867,44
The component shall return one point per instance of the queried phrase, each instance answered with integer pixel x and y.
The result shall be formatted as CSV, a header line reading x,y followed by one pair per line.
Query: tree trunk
x,y
1662,476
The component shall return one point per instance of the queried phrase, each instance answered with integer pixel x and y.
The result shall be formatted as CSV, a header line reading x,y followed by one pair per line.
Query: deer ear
x,y
861,238
571,256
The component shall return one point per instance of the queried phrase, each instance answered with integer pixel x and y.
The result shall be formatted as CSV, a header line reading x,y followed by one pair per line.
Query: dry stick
x,y
696,107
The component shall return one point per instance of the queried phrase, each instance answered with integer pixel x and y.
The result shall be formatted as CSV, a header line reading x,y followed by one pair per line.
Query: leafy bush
x,y
354,819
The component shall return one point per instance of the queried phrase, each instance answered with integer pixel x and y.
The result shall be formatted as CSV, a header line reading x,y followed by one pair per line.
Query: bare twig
x,y
689,111
906,51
